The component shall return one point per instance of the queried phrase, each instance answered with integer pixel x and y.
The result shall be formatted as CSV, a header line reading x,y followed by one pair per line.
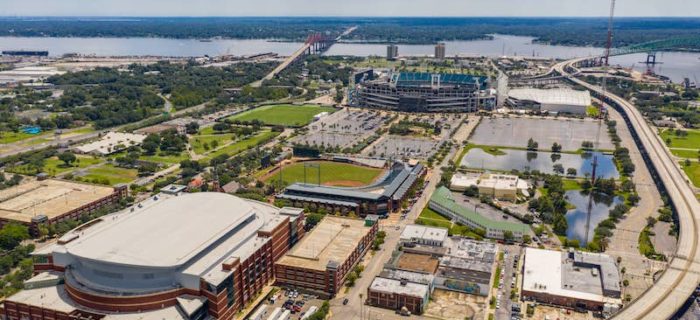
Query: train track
x,y
677,283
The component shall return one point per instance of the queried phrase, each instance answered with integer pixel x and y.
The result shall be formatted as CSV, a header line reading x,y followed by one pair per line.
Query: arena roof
x,y
166,233
50,197
553,96
409,79
333,239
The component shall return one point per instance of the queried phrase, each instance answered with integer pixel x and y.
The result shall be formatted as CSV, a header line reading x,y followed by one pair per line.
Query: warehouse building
x,y
381,197
550,100
321,261
51,201
577,280
424,92
187,256
444,203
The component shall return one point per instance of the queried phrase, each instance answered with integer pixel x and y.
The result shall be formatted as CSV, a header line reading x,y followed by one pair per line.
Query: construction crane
x,y
600,118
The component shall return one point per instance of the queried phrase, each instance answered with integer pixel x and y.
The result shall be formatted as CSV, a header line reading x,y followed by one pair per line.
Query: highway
x,y
678,282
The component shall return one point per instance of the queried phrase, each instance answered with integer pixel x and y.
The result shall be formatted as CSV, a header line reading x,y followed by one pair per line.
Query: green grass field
x,y
692,141
332,173
693,172
687,154
111,174
53,166
166,159
234,148
199,142
283,114
11,137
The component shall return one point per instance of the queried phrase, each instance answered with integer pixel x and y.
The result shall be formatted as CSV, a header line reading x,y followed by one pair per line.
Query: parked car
x,y
345,301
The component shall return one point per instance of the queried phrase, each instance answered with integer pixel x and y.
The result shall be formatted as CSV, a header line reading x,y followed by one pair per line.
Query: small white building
x,y
320,115
424,235
551,100
498,186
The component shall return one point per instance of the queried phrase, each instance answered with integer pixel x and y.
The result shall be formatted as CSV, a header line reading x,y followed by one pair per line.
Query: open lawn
x,y
429,217
203,143
54,167
11,137
109,174
332,174
245,144
693,172
691,141
165,159
283,114
685,153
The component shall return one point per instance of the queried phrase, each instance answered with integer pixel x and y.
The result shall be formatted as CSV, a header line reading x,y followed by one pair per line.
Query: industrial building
x,y
550,100
392,52
111,142
51,201
184,256
572,279
321,261
424,92
497,186
381,197
444,203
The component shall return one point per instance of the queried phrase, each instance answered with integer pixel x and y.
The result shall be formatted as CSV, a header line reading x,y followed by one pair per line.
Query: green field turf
x,y
10,137
197,142
234,148
110,173
283,114
688,154
692,141
165,159
53,166
332,173
693,172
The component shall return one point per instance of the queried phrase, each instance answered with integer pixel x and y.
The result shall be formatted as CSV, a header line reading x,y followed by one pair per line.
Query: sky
x,y
462,8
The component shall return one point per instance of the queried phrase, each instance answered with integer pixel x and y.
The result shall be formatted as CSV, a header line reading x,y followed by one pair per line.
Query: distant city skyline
x,y
357,8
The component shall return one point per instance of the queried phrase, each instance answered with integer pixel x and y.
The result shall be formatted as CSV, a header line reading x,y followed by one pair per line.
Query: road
x,y
355,308
678,282
503,292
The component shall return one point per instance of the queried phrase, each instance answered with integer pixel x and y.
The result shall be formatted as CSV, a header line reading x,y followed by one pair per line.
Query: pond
x,y
522,160
577,218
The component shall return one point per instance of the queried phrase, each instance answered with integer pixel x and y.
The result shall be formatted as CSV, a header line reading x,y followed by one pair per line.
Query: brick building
x,y
183,256
321,261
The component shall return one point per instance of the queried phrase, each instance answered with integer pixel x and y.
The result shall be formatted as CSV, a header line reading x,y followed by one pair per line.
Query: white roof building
x,y
552,100
424,235
112,142
392,286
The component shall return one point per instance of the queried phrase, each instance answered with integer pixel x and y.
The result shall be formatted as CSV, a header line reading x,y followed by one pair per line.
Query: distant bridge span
x,y
315,44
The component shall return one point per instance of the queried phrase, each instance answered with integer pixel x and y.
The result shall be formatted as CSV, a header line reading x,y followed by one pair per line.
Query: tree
x,y
150,147
558,168
12,234
192,127
532,145
67,157
571,172
556,147
507,235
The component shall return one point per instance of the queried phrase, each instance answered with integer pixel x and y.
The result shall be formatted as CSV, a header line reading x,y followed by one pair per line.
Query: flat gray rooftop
x,y
164,233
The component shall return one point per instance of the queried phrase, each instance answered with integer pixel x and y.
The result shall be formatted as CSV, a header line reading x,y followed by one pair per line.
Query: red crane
x,y
610,32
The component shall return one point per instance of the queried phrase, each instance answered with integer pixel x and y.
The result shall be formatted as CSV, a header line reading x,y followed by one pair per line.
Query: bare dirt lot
x,y
454,305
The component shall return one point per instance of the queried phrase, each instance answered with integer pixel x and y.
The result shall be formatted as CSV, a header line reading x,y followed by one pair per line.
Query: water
x,y
523,160
501,45
676,65
576,218
147,46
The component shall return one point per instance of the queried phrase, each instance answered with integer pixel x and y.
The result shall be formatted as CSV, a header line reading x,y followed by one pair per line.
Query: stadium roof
x,y
165,233
443,197
553,96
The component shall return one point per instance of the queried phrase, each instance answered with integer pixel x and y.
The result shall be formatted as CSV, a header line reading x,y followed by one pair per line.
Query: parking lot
x,y
343,128
507,308
401,147
296,302
516,131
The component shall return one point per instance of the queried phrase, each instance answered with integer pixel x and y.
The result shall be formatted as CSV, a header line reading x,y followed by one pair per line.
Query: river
x,y
676,65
